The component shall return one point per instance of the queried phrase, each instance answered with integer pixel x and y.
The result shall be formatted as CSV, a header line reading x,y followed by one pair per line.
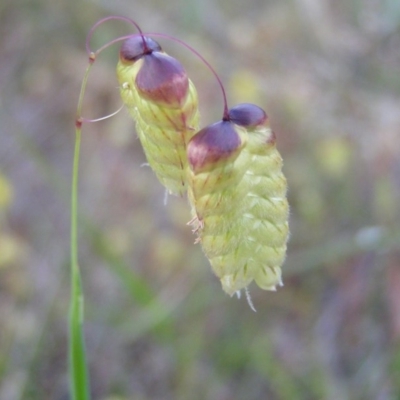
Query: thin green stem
x,y
79,382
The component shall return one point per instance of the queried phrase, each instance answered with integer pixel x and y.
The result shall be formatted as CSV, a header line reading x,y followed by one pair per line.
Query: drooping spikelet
x,y
237,192
163,102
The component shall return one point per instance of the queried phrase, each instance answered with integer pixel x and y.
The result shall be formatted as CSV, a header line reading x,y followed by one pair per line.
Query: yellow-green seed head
x,y
163,102
238,196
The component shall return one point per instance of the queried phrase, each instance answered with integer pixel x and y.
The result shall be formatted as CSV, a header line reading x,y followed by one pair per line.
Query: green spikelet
x,y
238,196
164,104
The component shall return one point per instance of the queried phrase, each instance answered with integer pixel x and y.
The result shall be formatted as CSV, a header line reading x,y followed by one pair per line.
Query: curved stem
x,y
225,116
112,17
119,39
196,53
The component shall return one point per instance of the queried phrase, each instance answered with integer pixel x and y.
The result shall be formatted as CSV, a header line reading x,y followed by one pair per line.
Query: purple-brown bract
x,y
213,144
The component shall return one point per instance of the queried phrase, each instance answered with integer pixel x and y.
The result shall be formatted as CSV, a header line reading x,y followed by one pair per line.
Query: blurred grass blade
x,y
77,354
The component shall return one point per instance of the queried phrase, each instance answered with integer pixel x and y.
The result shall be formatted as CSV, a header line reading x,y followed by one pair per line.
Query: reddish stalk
x,y
196,53
93,55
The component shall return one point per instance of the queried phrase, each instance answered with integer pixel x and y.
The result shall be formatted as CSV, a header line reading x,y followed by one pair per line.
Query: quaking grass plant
x,y
231,171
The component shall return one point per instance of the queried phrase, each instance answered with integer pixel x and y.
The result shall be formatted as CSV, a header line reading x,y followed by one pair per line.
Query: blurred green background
x,y
158,325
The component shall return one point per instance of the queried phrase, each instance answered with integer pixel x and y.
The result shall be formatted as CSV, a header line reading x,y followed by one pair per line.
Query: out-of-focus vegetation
x,y
158,325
